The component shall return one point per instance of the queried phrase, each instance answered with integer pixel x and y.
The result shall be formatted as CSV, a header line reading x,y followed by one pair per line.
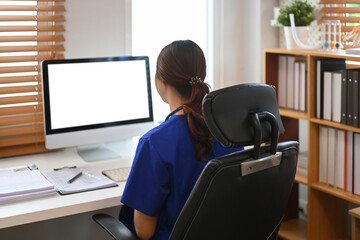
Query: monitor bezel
x,y
46,95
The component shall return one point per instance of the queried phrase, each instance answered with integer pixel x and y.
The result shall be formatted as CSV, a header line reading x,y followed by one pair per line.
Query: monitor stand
x,y
92,153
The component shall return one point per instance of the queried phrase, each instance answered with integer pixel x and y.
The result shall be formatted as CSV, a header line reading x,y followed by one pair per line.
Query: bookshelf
x,y
355,214
327,214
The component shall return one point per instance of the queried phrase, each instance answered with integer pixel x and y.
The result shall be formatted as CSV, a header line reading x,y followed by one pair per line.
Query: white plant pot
x,y
302,34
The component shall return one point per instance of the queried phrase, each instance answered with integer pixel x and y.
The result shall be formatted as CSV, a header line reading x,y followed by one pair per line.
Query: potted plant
x,y
303,16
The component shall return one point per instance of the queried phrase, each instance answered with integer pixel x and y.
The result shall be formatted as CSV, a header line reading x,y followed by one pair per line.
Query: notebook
x,y
23,182
74,180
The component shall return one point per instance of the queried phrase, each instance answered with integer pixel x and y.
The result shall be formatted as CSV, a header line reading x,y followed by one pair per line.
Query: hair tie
x,y
194,80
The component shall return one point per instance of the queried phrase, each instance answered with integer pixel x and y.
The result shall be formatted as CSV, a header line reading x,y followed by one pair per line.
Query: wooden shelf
x,y
293,229
314,53
355,212
355,215
326,204
300,178
294,51
293,114
339,193
334,125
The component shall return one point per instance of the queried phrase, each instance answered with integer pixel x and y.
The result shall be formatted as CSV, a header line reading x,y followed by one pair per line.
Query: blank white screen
x,y
97,92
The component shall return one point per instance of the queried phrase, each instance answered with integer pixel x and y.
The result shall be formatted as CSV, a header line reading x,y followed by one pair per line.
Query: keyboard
x,y
117,174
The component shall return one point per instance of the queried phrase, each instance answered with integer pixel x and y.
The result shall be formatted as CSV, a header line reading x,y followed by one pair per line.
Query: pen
x,y
75,177
57,169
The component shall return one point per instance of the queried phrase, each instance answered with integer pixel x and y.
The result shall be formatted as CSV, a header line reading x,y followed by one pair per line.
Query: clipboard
x,y
89,179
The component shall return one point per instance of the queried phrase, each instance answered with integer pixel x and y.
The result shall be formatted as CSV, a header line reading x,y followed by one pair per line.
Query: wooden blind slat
x,y
38,38
348,46
21,114
342,19
20,79
346,28
38,58
22,99
14,131
338,1
43,28
38,8
339,10
23,149
21,119
350,40
38,48
45,0
40,18
19,89
50,1
21,110
21,140
19,69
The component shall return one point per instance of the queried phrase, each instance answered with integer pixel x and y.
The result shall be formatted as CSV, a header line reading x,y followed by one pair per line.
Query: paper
x,y
23,183
32,195
90,179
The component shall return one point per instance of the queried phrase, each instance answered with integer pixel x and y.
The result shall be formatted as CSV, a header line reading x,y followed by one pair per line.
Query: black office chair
x,y
242,195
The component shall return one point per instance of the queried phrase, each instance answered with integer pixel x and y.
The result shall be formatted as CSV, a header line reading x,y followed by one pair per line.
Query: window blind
x,y
30,32
347,11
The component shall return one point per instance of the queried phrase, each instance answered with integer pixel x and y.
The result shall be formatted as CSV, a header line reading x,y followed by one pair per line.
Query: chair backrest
x,y
242,195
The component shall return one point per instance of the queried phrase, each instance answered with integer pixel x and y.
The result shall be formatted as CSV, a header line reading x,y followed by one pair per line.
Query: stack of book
x,y
337,92
339,159
20,183
302,167
292,82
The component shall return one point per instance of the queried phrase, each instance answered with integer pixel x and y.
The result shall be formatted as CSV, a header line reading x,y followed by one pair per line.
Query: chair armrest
x,y
114,227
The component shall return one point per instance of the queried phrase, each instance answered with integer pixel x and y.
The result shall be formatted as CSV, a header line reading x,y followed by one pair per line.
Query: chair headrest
x,y
227,113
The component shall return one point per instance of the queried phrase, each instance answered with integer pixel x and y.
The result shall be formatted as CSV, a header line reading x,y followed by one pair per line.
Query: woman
x,y
170,157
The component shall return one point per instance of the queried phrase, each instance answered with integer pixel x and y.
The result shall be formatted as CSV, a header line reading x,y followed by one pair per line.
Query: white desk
x,y
45,208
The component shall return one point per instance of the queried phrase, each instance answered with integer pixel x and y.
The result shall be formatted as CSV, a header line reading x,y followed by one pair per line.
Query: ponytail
x,y
182,65
201,137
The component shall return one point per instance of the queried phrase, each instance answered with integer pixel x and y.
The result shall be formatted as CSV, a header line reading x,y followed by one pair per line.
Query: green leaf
x,y
302,10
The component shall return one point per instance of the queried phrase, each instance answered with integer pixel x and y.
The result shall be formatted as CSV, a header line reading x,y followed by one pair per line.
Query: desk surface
x,y
44,208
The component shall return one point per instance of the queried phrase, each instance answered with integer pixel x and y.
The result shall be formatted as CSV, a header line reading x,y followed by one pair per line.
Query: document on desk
x,y
19,183
73,180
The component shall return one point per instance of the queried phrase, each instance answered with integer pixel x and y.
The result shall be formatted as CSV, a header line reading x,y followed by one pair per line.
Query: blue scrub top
x,y
164,172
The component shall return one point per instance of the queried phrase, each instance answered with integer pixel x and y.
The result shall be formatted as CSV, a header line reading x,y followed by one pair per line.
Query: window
x,y
157,23
30,32
348,12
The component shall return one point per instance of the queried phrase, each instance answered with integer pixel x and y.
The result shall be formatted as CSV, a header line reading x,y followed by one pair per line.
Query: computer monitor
x,y
95,101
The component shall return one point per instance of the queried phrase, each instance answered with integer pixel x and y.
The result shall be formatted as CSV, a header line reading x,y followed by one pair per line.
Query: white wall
x,y
241,32
269,35
97,28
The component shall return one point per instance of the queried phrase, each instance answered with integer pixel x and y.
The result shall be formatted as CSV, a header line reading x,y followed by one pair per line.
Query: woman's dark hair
x,y
182,65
